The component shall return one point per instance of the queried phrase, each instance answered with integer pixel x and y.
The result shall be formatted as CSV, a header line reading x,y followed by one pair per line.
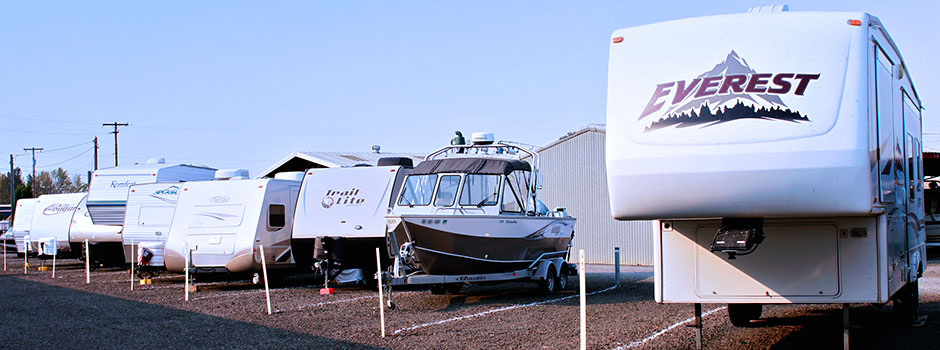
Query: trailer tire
x,y
906,304
550,284
453,288
563,277
438,289
741,315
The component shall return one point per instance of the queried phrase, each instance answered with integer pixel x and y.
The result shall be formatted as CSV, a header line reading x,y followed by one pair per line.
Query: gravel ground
x,y
67,313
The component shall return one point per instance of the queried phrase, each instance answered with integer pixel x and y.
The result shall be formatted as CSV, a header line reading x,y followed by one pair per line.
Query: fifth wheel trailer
x,y
783,161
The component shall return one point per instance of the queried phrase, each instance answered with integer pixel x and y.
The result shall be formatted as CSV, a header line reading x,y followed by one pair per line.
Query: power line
x,y
67,160
67,147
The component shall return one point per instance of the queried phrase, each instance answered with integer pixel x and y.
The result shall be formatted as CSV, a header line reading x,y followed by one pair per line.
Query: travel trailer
x,y
472,213
49,232
108,189
221,224
783,161
104,241
340,216
22,221
150,209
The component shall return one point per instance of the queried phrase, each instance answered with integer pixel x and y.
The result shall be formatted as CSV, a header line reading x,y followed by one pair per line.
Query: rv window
x,y
510,199
276,217
417,190
155,216
206,216
447,191
887,154
480,190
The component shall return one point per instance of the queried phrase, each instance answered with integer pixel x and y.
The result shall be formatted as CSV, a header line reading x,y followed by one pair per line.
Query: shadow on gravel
x,y
873,329
38,315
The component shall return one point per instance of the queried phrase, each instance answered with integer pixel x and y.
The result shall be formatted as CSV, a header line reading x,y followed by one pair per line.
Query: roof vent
x,y
376,148
290,175
769,8
482,138
231,174
396,161
156,160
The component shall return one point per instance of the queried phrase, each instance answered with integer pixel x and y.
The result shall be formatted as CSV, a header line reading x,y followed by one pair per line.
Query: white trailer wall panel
x,y
574,176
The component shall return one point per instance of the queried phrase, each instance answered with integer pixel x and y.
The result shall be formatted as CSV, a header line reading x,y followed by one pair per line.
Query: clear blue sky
x,y
242,84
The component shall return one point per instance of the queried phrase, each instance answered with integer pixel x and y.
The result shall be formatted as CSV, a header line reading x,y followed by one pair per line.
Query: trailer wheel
x,y
742,314
453,288
906,303
437,289
550,284
563,278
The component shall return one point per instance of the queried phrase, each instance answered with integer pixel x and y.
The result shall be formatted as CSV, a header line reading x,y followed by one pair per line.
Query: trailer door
x,y
915,230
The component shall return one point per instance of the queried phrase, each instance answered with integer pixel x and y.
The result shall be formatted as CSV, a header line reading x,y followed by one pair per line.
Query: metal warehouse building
x,y
575,177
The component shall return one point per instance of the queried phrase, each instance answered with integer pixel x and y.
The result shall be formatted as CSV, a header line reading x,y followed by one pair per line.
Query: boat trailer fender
x,y
541,272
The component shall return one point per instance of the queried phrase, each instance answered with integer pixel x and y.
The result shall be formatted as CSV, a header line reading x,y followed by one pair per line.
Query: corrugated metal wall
x,y
574,176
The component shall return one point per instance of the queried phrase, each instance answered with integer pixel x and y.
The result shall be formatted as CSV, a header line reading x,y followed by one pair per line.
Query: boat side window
x,y
510,199
417,190
447,191
480,190
276,217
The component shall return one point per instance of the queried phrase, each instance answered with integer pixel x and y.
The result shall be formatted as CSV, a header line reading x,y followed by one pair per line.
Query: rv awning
x,y
471,165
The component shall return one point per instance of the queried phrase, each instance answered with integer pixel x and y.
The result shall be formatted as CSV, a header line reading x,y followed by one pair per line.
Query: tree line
x,y
47,182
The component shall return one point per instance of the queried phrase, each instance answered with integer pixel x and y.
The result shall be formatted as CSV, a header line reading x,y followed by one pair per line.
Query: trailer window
x,y
276,217
480,190
447,191
206,216
155,216
887,152
417,190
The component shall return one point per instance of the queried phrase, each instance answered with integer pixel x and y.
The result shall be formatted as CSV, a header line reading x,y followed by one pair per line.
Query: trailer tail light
x,y
618,40
855,22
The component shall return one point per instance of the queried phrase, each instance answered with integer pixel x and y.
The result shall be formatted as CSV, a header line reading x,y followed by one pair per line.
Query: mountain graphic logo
x,y
730,91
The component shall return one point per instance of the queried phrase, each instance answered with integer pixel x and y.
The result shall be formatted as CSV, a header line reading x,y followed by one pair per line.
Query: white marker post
x,y
132,265
4,256
87,264
583,299
264,269
186,273
378,261
26,257
54,253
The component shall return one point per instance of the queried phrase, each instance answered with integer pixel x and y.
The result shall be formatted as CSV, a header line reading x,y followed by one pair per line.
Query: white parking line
x,y
667,329
324,303
505,308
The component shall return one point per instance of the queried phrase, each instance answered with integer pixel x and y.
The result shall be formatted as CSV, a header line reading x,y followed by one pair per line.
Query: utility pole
x,y
12,189
96,152
33,183
115,132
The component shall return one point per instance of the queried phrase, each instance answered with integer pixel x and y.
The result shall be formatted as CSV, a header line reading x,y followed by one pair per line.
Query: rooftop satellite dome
x,y
156,160
482,138
231,174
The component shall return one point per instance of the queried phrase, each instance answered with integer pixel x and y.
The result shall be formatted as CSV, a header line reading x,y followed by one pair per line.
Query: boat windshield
x,y
447,191
417,190
480,190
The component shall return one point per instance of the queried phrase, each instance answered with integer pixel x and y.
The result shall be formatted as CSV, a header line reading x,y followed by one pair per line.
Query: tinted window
x,y
480,190
276,216
447,190
417,190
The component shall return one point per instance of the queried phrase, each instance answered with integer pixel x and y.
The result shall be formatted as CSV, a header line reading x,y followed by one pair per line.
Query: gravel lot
x,y
64,312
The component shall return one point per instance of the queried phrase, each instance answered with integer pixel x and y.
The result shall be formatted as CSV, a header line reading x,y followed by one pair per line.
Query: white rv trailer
x,y
340,216
220,224
51,221
784,160
150,209
22,220
107,191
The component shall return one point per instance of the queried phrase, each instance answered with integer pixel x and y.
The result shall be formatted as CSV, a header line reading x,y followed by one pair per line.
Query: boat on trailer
x,y
472,211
